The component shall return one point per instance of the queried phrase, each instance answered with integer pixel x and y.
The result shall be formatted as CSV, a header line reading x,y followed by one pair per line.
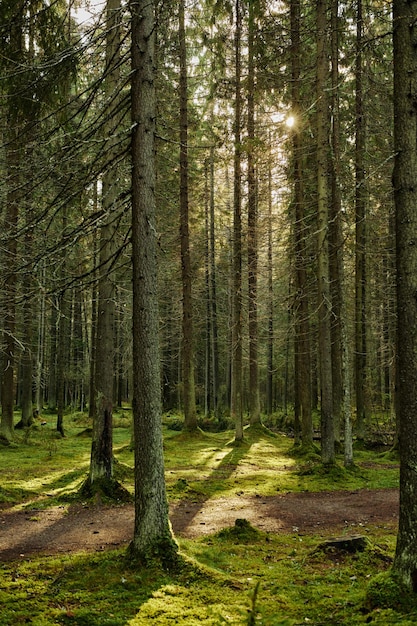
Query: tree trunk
x,y
152,534
236,408
405,196
10,280
52,378
62,358
213,295
324,308
254,402
270,340
360,237
301,307
101,462
190,415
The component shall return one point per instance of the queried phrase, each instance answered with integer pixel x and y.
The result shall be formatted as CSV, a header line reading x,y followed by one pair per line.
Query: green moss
x,y
385,591
242,532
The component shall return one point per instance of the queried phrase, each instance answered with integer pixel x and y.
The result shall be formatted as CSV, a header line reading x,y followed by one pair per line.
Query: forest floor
x,y
78,528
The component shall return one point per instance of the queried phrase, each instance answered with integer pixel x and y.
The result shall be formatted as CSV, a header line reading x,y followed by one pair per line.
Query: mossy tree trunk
x,y
405,196
152,534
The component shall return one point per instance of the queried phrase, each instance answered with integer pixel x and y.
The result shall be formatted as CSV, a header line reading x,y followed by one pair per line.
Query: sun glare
x,y
290,121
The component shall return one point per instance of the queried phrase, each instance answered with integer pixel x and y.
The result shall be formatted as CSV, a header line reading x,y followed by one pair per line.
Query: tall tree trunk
x,y
236,408
13,199
405,195
92,408
270,340
213,294
324,308
335,229
190,415
152,534
254,402
10,283
360,235
301,307
101,462
341,367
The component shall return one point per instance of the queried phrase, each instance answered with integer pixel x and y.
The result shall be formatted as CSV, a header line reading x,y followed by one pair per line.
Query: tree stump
x,y
349,543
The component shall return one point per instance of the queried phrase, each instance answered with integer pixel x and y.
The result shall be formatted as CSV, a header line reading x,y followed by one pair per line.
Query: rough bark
x,y
152,534
190,414
236,408
254,401
323,286
405,196
101,461
360,235
301,305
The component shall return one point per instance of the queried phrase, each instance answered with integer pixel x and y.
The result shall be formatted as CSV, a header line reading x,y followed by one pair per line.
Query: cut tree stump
x,y
349,543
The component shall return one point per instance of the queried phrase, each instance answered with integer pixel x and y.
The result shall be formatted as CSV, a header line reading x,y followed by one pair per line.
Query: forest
x,y
208,227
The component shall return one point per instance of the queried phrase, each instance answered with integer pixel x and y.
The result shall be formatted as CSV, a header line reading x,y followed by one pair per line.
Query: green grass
x,y
232,577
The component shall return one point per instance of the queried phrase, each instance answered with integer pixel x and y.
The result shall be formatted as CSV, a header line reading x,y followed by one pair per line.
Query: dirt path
x,y
77,529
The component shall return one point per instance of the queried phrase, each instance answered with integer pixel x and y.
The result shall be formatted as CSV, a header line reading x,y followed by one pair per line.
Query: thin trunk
x,y
270,341
213,294
208,396
190,415
62,358
52,378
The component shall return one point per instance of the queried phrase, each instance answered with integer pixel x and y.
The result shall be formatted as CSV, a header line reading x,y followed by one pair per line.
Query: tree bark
x,y
101,461
236,408
405,197
152,534
301,306
324,306
360,235
190,414
254,402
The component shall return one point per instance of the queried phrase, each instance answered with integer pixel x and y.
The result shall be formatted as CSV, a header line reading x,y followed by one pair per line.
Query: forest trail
x,y
77,528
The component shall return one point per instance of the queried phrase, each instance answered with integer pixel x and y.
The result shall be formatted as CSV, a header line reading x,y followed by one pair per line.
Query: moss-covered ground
x,y
238,576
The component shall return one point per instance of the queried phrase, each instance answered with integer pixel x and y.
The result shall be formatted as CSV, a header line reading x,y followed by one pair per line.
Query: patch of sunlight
x,y
190,606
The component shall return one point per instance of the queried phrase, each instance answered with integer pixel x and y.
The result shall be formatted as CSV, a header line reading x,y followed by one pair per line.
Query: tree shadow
x,y
185,511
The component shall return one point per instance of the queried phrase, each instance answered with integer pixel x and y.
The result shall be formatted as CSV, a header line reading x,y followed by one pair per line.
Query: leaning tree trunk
x,y
405,195
152,534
